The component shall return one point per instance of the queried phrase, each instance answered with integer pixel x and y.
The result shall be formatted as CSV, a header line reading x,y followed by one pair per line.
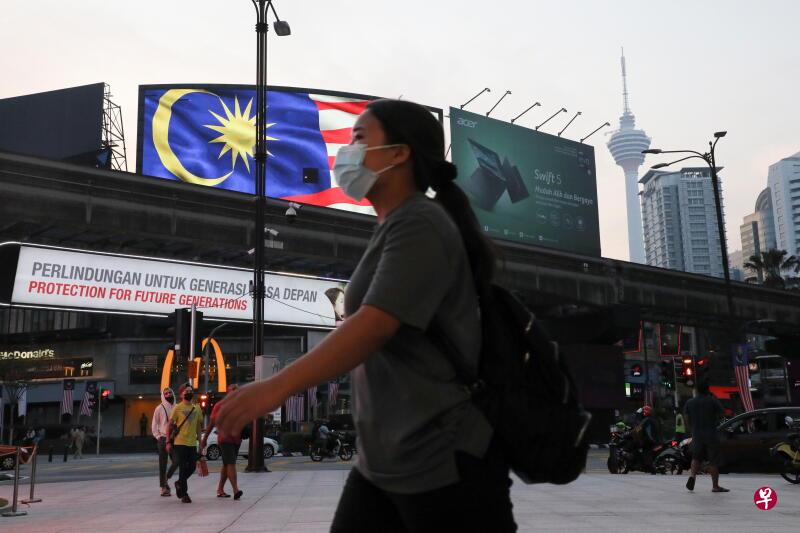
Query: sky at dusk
x,y
693,67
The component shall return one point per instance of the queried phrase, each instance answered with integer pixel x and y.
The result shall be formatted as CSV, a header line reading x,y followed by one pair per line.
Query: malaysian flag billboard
x,y
205,135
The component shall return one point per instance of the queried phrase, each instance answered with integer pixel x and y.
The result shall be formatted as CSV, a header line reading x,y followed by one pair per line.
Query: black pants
x,y
480,502
187,462
163,455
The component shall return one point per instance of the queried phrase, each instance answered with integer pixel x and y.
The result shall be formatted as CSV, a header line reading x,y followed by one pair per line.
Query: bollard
x,y
66,452
31,499
13,511
50,454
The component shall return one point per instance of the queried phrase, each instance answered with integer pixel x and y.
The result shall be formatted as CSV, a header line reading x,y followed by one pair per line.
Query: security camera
x,y
291,212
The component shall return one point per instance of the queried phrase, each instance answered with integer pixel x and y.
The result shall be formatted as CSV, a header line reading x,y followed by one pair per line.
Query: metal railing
x,y
18,460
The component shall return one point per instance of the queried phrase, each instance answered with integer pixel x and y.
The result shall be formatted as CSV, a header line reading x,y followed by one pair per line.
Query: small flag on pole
x,y
312,396
66,399
88,396
740,368
333,392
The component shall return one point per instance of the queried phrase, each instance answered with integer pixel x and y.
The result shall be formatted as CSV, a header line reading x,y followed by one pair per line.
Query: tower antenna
x,y
626,108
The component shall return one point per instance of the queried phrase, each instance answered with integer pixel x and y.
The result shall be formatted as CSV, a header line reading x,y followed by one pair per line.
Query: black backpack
x,y
525,391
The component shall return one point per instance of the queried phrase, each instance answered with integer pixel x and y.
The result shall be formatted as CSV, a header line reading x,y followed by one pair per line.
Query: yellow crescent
x,y
168,158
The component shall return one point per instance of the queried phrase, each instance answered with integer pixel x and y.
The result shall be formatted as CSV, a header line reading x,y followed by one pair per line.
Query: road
x,y
116,466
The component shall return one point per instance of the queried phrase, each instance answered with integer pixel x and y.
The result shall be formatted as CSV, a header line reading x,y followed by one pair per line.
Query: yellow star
x,y
238,132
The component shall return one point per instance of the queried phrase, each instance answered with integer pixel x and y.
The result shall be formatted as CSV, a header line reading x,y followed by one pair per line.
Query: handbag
x,y
202,466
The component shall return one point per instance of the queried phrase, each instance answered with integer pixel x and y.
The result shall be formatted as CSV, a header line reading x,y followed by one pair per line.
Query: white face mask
x,y
354,178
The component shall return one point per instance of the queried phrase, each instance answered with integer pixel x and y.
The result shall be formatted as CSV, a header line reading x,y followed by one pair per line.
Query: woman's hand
x,y
247,403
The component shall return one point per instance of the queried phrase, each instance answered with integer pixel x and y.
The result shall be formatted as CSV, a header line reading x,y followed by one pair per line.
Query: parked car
x,y
8,459
213,452
746,439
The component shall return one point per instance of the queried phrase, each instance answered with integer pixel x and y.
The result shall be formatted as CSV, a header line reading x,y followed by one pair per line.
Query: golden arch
x,y
222,377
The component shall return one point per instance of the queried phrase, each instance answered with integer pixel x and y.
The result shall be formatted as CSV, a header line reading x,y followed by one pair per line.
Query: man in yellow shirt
x,y
188,418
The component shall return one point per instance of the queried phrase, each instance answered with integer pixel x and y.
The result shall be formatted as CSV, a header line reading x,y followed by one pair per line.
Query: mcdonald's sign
x,y
222,377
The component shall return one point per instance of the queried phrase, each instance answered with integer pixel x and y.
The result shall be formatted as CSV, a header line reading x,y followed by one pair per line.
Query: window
x,y
146,369
57,368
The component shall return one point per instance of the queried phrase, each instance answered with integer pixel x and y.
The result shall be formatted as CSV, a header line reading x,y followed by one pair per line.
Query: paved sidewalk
x,y
305,501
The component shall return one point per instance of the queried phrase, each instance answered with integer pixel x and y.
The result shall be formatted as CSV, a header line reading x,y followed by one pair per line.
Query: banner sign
x,y
84,280
525,185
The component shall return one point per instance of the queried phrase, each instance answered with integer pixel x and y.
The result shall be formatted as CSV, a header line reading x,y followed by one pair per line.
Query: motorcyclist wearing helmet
x,y
649,437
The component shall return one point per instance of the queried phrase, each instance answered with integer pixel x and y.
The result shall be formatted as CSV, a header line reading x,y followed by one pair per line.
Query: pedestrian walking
x,y
186,423
143,425
78,437
427,460
704,412
160,430
229,447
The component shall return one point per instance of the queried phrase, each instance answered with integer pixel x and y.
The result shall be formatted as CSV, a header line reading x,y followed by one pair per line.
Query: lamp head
x,y
282,28
652,151
720,134
659,165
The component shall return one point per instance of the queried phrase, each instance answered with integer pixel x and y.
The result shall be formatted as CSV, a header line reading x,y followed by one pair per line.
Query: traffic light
x,y
204,402
104,395
182,323
667,370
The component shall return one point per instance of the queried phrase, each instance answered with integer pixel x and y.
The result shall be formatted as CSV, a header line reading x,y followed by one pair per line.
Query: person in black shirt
x,y
704,412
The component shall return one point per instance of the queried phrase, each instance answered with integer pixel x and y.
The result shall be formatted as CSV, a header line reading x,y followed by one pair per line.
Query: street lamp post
x,y
255,457
710,159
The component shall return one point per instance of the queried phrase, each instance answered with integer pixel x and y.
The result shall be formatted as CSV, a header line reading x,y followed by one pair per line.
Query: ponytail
x,y
408,123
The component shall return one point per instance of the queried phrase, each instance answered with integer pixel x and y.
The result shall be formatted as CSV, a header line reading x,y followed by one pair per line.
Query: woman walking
x,y
427,461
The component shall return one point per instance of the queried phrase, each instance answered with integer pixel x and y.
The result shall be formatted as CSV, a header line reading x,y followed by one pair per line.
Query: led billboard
x,y
527,186
205,135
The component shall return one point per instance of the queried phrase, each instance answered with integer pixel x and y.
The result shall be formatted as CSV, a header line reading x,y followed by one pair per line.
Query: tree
x,y
769,266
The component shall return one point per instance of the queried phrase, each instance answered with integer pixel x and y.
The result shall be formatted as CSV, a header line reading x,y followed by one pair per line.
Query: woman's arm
x,y
346,347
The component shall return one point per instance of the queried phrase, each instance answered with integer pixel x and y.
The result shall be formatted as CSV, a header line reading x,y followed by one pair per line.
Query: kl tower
x,y
626,145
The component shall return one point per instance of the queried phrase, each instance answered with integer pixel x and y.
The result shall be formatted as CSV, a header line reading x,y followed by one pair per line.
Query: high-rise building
x,y
736,265
758,228
784,182
680,221
626,145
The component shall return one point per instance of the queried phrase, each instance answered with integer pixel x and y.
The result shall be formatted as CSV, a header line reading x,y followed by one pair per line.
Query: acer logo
x,y
466,123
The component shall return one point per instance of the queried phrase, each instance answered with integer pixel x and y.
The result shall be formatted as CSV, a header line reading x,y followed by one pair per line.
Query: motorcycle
x,y
675,458
341,448
624,453
789,452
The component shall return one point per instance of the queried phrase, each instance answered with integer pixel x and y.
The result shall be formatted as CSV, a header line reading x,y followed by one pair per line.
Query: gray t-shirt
x,y
410,411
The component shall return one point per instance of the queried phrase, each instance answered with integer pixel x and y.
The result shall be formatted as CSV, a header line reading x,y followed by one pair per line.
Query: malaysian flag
x,y
190,134
295,408
742,372
312,397
333,392
66,399
88,396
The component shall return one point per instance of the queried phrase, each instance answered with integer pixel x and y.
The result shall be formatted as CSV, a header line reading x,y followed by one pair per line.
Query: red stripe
x,y
355,108
331,161
340,136
334,195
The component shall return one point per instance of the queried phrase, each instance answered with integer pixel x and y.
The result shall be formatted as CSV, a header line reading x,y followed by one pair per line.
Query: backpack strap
x,y
439,338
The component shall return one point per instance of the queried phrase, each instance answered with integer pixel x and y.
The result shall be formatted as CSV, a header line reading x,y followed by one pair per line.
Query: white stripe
x,y
363,209
334,99
333,148
335,119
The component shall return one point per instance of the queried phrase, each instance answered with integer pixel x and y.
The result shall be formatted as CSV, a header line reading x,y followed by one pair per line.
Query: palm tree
x,y
768,266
